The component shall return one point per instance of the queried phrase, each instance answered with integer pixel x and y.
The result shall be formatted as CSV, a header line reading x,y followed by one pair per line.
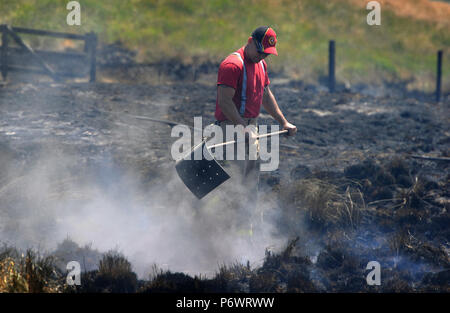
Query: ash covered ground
x,y
81,176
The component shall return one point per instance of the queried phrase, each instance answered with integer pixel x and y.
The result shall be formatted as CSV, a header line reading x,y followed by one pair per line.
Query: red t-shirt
x,y
231,74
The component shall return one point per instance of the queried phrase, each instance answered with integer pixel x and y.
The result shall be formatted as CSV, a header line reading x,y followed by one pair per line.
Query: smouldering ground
x,y
74,163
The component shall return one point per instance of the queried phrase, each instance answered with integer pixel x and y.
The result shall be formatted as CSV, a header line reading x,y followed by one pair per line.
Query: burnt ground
x,y
347,190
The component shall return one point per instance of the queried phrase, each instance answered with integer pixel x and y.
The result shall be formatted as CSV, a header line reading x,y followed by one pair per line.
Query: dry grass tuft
x,y
404,242
27,273
324,205
115,274
284,272
410,198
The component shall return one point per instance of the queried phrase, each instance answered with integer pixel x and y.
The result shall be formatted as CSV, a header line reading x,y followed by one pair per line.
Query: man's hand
x,y
290,127
250,134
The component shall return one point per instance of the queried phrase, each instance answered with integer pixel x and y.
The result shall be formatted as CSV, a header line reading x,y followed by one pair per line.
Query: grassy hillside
x,y
401,47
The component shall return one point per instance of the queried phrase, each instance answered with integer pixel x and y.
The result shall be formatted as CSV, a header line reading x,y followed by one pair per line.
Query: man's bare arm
x,y
270,104
225,99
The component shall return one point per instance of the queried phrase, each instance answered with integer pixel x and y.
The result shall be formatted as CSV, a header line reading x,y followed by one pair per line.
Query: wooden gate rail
x,y
90,47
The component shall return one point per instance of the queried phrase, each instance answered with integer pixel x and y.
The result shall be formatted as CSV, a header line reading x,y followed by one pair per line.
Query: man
x,y
248,60
242,87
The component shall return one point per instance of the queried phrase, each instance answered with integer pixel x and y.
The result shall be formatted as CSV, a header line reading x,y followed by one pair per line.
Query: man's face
x,y
254,55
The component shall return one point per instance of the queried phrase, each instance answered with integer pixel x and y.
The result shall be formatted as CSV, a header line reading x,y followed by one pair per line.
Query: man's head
x,y
261,43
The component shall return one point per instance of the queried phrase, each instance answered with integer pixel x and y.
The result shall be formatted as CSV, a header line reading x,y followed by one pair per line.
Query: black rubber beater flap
x,y
201,176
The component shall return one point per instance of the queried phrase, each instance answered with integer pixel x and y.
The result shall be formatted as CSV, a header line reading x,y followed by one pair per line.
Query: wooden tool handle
x,y
257,137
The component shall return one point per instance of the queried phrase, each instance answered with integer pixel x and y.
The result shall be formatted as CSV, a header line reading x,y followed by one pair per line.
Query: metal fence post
x,y
92,54
439,76
4,52
331,66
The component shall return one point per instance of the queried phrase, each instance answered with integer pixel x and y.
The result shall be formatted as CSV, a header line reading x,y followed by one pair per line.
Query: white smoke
x,y
62,191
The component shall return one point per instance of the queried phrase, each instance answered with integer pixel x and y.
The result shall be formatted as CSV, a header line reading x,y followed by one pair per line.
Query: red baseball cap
x,y
265,39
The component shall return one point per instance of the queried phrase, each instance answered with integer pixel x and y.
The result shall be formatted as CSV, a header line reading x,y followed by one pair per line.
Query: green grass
x,y
401,47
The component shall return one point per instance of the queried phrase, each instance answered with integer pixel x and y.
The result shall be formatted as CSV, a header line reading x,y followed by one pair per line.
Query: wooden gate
x,y
41,57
